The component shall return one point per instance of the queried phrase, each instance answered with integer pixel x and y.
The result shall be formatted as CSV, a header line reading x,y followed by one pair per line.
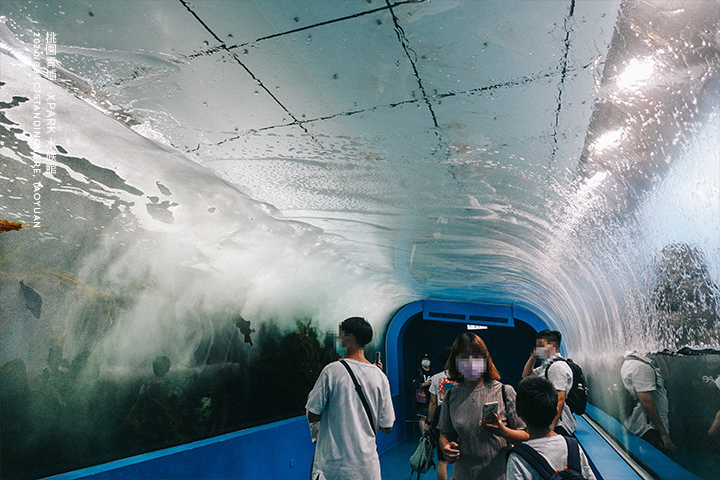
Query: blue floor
x,y
395,463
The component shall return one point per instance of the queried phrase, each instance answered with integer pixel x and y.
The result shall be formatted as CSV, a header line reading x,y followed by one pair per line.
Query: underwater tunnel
x,y
196,192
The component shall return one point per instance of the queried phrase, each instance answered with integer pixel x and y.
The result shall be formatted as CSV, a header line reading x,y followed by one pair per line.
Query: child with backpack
x,y
546,455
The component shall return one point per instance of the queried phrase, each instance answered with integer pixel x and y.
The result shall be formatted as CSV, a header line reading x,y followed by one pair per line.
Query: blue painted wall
x,y
277,450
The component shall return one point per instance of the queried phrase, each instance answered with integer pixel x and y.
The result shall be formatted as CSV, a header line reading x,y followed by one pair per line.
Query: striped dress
x,y
482,454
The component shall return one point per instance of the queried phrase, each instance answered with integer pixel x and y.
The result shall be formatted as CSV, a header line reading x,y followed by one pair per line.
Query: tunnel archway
x,y
503,322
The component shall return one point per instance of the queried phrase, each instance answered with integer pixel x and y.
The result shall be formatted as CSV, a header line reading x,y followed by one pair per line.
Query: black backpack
x,y
577,397
573,470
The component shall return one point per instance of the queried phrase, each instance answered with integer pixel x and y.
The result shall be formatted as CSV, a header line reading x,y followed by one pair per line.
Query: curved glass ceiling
x,y
322,159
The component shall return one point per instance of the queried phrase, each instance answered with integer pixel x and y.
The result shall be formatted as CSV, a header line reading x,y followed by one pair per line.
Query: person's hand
x,y
378,364
451,452
669,445
426,426
496,427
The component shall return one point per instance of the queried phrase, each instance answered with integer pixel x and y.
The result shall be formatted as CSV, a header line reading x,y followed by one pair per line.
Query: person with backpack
x,y
546,455
478,418
556,369
649,417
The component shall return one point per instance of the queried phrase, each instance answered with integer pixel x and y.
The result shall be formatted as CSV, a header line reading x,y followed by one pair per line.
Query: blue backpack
x,y
573,470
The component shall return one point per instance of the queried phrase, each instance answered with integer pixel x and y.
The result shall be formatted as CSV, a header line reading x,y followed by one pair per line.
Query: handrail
x,y
641,470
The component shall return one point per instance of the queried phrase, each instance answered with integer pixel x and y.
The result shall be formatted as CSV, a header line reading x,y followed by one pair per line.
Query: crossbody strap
x,y
359,390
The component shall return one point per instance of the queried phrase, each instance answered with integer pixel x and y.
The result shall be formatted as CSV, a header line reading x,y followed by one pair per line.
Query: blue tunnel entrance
x,y
426,326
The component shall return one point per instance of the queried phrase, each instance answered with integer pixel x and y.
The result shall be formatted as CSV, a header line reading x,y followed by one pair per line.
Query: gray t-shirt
x,y
640,376
561,376
482,454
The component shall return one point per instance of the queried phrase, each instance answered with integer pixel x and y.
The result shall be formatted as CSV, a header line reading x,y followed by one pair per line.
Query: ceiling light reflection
x,y
607,140
637,71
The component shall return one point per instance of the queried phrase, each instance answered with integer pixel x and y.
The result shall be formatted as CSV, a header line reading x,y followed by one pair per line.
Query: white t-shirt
x,y
641,377
346,447
555,451
561,376
440,384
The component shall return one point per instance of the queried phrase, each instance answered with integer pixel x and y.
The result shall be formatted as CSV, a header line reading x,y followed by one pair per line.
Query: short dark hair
x,y
469,343
359,328
536,401
550,335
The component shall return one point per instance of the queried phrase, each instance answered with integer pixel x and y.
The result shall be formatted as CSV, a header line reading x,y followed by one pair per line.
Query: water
x,y
549,159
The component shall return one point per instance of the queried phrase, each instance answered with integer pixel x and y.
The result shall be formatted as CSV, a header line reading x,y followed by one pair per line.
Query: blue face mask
x,y
342,351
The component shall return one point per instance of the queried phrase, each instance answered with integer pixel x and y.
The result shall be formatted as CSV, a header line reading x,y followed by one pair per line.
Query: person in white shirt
x,y
346,448
537,405
440,385
649,418
558,372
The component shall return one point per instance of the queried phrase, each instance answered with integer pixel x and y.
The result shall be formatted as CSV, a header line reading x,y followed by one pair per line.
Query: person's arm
x,y
714,430
560,406
529,365
431,410
450,449
416,382
386,429
647,402
512,435
313,417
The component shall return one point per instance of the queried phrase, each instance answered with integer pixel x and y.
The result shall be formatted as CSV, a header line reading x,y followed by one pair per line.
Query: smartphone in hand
x,y
489,411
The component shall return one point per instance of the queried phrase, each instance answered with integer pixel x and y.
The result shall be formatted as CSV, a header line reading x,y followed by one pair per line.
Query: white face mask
x,y
543,352
425,363
471,368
